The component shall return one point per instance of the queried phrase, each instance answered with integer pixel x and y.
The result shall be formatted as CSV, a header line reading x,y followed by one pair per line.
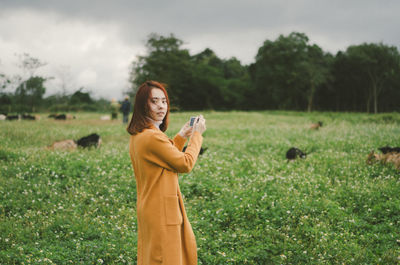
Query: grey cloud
x,y
361,20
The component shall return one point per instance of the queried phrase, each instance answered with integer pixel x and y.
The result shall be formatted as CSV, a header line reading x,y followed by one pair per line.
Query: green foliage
x,y
246,204
31,92
5,102
80,97
367,71
166,62
28,94
217,84
79,101
201,81
289,73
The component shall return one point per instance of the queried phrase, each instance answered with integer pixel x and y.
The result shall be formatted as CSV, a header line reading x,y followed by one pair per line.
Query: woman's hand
x,y
199,125
186,130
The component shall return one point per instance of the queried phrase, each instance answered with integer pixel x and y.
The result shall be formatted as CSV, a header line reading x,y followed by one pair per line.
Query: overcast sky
x,y
91,44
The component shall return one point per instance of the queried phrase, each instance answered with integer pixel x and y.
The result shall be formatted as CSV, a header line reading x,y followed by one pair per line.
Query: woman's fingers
x,y
200,125
200,118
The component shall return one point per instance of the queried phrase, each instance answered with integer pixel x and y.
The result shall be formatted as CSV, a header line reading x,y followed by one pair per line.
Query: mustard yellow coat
x,y
165,235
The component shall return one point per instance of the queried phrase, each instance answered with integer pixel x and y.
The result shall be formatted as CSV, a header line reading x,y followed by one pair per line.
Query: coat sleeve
x,y
163,153
179,142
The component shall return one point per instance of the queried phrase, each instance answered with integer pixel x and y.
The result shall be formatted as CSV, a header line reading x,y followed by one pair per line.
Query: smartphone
x,y
192,120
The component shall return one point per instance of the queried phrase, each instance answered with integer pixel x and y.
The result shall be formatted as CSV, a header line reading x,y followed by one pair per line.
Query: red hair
x,y
141,110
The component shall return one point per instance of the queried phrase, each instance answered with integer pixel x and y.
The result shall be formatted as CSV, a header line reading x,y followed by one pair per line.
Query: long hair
x,y
141,111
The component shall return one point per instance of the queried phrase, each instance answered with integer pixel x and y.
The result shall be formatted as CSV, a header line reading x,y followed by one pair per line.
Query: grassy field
x,y
247,205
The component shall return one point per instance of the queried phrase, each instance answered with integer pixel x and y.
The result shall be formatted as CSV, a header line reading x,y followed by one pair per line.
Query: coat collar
x,y
155,124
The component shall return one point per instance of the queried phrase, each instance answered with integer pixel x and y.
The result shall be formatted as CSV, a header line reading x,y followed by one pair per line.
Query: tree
x,y
31,92
349,84
29,64
317,68
4,81
288,72
207,81
166,62
201,81
80,97
31,88
377,63
274,73
237,90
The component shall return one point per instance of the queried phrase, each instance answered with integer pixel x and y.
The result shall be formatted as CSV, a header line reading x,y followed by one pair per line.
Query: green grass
x,y
247,205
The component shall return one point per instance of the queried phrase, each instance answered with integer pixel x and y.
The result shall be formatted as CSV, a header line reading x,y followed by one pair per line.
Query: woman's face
x,y
157,105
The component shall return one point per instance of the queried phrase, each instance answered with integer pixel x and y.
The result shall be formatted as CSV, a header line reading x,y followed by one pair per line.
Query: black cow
x,y
202,150
64,117
295,152
89,141
388,149
60,117
12,117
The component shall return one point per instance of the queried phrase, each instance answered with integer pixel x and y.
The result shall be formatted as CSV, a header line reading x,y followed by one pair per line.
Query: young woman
x,y
165,235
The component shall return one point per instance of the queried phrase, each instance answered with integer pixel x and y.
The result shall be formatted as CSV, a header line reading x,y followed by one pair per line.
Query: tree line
x,y
28,98
29,90
289,73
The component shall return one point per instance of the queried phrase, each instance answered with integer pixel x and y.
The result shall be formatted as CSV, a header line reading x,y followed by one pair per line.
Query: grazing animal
x,y
89,141
385,158
295,152
12,117
202,150
64,117
388,149
60,117
84,142
3,117
63,145
316,126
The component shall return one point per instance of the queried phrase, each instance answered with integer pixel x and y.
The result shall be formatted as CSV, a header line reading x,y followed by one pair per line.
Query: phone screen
x,y
192,119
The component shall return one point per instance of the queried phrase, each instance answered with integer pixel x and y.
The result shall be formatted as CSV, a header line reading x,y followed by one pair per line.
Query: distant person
x,y
165,235
125,108
114,109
